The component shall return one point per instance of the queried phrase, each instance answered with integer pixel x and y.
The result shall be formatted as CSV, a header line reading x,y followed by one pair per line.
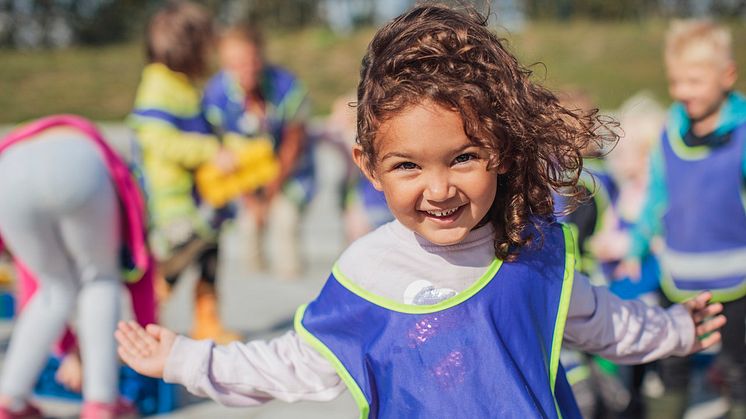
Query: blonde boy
x,y
694,200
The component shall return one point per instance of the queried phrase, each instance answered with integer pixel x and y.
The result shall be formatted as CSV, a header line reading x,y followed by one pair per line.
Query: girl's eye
x,y
464,157
407,165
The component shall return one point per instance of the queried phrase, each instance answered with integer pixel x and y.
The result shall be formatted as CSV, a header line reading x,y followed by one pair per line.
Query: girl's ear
x,y
361,161
502,167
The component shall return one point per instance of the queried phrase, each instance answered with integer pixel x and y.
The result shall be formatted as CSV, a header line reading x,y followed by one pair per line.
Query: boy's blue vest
x,y
705,222
492,351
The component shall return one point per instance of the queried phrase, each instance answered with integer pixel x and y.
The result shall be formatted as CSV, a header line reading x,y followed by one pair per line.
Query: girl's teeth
x,y
442,213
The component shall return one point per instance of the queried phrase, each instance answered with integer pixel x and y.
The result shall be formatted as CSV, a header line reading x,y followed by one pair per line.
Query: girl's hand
x,y
145,350
707,320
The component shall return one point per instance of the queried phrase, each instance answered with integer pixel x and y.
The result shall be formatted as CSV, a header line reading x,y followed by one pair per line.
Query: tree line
x,y
60,23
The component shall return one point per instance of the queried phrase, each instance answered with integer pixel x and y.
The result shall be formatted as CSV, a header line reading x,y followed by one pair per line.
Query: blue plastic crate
x,y
7,305
150,395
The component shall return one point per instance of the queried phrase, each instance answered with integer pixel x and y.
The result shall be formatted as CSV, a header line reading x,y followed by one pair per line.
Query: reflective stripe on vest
x,y
686,266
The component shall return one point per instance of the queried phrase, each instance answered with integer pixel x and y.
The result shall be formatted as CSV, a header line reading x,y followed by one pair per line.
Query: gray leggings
x,y
59,215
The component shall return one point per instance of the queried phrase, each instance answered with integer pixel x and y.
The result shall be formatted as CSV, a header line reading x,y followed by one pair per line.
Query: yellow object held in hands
x,y
257,166
6,275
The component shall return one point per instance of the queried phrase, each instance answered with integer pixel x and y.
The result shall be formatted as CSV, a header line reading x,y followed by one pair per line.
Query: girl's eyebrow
x,y
394,154
407,156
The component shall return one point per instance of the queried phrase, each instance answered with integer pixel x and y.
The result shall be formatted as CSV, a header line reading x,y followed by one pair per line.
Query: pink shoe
x,y
121,409
29,412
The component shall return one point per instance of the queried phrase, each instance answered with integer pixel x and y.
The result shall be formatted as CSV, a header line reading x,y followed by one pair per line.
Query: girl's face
x,y
436,182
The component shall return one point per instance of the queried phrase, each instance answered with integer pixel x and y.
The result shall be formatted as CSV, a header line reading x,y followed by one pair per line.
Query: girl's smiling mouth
x,y
444,214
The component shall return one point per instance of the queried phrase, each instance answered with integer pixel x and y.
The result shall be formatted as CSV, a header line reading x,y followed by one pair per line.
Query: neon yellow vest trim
x,y
684,151
352,386
721,295
564,306
418,309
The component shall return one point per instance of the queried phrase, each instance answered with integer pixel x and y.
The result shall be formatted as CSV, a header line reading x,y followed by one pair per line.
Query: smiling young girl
x,y
458,307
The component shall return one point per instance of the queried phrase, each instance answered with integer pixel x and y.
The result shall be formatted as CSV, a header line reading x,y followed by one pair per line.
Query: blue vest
x,y
705,222
492,351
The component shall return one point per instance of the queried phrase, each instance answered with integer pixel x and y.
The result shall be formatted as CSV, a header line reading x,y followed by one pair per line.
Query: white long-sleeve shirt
x,y
395,263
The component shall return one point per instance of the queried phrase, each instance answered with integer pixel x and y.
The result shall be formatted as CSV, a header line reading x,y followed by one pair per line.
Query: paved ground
x,y
262,307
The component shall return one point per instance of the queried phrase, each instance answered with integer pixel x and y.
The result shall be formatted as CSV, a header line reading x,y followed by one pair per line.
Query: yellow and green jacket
x,y
175,139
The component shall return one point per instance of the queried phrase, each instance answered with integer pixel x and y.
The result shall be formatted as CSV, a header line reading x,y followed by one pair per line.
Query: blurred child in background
x,y
583,220
458,307
254,99
595,382
641,120
695,201
176,139
74,220
364,208
598,185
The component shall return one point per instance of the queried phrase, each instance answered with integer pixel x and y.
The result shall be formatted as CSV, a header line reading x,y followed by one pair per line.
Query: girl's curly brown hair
x,y
449,57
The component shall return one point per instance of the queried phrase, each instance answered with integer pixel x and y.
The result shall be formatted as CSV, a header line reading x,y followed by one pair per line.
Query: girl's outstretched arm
x,y
238,374
632,332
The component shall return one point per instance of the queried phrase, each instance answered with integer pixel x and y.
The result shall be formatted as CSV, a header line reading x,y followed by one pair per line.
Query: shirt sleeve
x,y
186,149
649,222
625,331
249,374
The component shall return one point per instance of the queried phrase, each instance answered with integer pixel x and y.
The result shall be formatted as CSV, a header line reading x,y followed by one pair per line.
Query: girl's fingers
x,y
126,353
132,334
700,301
707,341
124,338
153,330
709,311
710,325
146,338
128,345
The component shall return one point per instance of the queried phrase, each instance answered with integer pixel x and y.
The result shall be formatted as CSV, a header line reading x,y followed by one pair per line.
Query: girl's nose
x,y
439,187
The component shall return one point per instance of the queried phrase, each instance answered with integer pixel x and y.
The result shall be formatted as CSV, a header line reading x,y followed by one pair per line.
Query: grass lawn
x,y
609,61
